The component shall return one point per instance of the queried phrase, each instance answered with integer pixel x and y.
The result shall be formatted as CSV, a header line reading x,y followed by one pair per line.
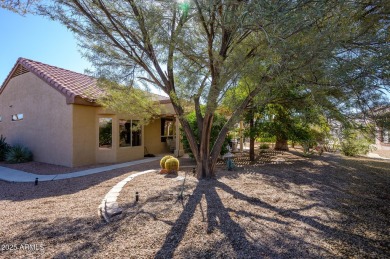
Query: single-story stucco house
x,y
46,109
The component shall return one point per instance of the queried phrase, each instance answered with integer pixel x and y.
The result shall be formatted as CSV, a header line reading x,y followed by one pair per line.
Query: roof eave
x,y
76,99
8,78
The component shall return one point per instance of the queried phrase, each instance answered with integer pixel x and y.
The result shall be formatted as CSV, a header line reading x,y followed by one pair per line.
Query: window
x,y
129,133
105,132
17,117
167,129
124,133
386,136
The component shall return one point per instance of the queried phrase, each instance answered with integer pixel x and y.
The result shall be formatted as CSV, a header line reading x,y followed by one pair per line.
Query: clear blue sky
x,y
37,38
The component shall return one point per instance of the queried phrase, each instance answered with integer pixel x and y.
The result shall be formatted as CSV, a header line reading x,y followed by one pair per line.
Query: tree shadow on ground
x,y
217,217
356,189
237,242
62,238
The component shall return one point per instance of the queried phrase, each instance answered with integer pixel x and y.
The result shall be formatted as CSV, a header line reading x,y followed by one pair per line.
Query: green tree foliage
x,y
218,123
355,142
19,6
129,100
198,50
289,124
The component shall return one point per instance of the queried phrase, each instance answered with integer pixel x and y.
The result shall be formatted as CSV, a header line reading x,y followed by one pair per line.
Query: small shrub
x,y
4,148
264,146
163,160
352,148
18,154
266,139
172,165
354,143
306,146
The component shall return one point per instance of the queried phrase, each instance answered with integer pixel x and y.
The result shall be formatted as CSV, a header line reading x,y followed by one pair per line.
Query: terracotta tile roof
x,y
160,98
69,83
74,86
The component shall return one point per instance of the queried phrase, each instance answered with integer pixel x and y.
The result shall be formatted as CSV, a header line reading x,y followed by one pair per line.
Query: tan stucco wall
x,y
153,140
84,135
46,128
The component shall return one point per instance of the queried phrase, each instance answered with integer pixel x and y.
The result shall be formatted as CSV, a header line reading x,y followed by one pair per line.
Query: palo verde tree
x,y
19,6
196,50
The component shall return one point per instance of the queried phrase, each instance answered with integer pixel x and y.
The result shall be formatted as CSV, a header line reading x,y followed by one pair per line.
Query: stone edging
x,y
109,207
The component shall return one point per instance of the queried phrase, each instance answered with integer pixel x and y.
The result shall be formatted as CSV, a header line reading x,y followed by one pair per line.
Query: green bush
x,y
18,154
4,148
266,139
264,146
354,148
354,144
218,122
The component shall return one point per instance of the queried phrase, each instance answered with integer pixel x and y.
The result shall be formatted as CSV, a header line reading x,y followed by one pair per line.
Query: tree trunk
x,y
206,159
204,163
251,139
281,144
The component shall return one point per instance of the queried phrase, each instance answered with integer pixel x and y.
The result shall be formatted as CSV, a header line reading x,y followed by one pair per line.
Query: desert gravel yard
x,y
283,205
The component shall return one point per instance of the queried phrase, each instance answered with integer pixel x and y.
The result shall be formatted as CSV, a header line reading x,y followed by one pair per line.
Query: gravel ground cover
x,y
282,205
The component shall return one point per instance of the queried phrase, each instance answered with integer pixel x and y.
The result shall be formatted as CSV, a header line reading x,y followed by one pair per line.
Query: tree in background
x,y
287,124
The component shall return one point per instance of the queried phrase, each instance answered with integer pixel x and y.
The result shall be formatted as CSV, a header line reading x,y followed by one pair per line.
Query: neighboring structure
x,y
53,112
382,140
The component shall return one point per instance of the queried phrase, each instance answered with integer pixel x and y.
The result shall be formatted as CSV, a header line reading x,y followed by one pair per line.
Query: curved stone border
x,y
109,207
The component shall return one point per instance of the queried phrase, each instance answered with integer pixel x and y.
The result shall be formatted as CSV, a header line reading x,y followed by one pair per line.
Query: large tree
x,y
197,50
19,6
